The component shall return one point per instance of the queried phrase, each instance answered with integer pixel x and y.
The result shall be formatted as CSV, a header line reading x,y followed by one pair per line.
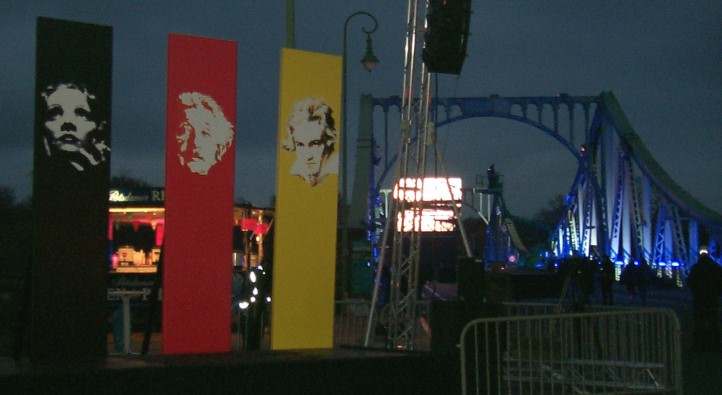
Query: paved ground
x,y
702,371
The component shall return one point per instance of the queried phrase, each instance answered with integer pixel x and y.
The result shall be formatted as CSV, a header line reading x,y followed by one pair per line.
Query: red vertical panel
x,y
200,146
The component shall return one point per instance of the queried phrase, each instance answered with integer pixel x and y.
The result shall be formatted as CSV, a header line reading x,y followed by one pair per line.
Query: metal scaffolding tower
x,y
405,246
416,138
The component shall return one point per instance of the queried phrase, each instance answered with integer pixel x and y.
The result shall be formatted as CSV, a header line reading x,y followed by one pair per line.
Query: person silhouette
x,y
607,280
705,282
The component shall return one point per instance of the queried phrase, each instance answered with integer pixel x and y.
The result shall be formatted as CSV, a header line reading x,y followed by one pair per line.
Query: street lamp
x,y
369,61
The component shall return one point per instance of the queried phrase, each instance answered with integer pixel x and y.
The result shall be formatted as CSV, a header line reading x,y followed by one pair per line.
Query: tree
x,y
126,181
15,233
7,197
474,228
531,232
548,217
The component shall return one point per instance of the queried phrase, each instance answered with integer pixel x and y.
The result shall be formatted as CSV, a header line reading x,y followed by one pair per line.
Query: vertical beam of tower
x,y
588,218
636,211
609,157
647,218
626,211
617,210
399,268
680,248
693,242
581,212
415,120
358,212
668,237
659,231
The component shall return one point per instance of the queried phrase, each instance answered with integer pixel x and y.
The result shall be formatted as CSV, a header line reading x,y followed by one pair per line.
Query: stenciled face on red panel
x,y
204,135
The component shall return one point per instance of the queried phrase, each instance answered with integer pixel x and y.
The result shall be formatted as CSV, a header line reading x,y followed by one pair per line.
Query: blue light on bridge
x,y
675,264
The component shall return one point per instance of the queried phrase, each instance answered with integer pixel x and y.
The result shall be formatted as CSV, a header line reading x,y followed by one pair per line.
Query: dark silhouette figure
x,y
705,282
493,177
607,281
643,278
630,279
577,275
585,276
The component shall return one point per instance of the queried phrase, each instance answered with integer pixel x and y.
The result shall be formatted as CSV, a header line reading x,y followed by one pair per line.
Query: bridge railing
x,y
624,351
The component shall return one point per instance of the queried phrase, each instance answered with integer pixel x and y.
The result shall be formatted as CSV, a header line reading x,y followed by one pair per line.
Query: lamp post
x,y
368,61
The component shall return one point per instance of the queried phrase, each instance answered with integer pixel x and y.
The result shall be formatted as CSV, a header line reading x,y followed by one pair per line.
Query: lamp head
x,y
369,61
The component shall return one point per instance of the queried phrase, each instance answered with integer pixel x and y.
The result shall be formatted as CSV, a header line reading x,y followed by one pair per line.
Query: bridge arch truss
x,y
622,203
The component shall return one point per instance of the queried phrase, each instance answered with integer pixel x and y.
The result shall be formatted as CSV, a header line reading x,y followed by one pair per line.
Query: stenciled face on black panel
x,y
73,132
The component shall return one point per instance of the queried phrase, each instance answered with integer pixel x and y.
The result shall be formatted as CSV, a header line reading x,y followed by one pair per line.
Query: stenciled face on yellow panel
x,y
310,146
312,136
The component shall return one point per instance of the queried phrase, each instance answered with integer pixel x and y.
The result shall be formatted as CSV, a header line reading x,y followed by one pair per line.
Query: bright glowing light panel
x,y
432,190
432,220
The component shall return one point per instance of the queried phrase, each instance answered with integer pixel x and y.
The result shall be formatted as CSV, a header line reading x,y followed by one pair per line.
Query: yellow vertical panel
x,y
306,201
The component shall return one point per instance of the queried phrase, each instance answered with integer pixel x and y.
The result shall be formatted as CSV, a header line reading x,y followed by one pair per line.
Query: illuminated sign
x,y
138,195
435,192
432,220
429,189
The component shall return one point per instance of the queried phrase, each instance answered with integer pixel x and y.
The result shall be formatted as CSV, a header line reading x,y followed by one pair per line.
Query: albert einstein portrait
x,y
205,134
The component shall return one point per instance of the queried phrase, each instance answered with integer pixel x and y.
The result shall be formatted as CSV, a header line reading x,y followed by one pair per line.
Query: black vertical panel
x,y
70,190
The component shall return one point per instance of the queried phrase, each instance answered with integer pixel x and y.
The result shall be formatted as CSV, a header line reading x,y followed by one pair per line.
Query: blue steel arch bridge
x,y
622,203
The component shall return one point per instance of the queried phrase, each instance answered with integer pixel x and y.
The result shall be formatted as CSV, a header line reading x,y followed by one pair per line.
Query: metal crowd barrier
x,y
514,309
626,351
351,315
350,324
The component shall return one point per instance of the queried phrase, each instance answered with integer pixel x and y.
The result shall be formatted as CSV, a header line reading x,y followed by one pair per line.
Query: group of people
x,y
577,272
581,273
636,277
704,281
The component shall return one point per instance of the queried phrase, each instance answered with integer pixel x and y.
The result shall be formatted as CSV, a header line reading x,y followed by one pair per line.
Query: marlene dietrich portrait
x,y
205,134
311,134
74,127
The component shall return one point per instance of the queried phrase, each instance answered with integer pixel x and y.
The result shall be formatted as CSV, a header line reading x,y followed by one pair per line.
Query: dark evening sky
x,y
662,59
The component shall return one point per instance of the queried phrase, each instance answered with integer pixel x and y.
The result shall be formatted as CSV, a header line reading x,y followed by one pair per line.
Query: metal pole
x,y
126,323
344,267
377,281
457,212
290,24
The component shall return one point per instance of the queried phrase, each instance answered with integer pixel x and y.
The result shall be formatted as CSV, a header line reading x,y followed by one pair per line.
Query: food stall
x,y
137,222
